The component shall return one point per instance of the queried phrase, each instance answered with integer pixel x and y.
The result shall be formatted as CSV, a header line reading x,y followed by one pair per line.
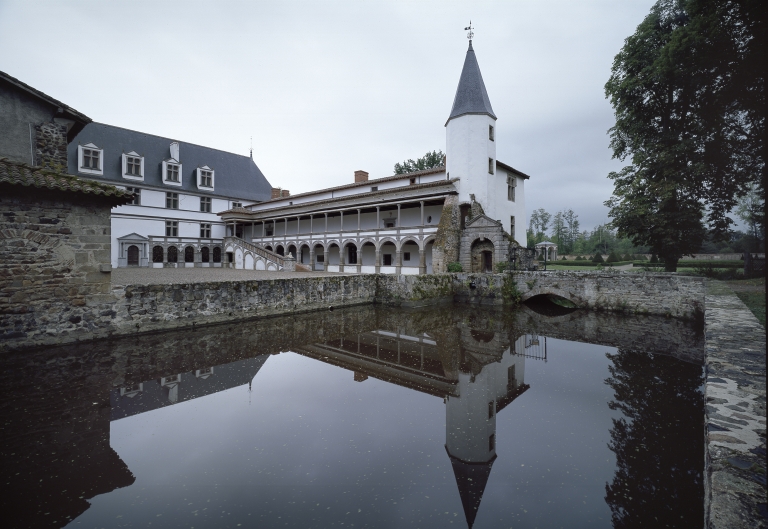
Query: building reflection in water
x,y
477,370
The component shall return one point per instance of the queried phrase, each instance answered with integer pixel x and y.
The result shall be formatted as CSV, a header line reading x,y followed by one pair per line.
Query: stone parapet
x,y
735,461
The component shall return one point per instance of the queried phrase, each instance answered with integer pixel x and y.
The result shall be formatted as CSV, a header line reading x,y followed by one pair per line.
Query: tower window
x,y
490,132
512,226
511,184
492,442
491,410
490,165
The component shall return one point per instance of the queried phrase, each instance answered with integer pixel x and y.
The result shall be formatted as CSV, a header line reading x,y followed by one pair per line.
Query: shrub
x,y
454,267
598,258
613,258
627,257
654,259
563,259
579,258
502,266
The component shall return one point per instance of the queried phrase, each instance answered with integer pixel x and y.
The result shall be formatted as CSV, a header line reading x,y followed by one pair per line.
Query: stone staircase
x,y
271,260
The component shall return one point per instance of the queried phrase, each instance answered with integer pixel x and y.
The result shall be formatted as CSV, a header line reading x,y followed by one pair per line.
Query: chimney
x,y
276,191
285,193
361,176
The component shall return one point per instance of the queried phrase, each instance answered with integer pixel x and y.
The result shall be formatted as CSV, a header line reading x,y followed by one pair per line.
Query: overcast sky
x,y
329,87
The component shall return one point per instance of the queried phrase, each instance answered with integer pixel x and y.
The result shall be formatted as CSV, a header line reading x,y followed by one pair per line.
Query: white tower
x,y
470,145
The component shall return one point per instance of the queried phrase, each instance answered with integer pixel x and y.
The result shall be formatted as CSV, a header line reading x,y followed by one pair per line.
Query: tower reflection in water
x,y
477,370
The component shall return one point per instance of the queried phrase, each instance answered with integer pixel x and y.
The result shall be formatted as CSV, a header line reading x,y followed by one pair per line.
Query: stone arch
x,y
173,254
205,254
269,248
329,242
367,253
272,267
430,239
385,240
280,250
349,252
333,253
157,254
217,254
189,254
259,264
412,239
248,263
133,255
481,256
290,249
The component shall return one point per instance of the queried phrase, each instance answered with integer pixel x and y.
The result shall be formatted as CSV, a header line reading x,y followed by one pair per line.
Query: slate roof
x,y
235,177
16,173
471,96
512,169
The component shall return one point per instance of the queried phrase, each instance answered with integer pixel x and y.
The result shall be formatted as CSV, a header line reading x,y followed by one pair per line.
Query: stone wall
x,y
448,238
51,146
50,254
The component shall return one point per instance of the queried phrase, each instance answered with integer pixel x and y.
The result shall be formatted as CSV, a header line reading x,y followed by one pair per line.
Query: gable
x,y
482,221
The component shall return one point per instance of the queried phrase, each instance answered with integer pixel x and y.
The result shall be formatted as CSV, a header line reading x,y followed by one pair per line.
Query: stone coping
x,y
735,484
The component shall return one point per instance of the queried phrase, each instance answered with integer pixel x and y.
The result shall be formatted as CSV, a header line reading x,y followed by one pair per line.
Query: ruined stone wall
x,y
51,146
50,254
448,239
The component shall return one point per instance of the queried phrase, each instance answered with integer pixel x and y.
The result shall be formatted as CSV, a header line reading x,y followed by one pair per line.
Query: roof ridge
x,y
171,139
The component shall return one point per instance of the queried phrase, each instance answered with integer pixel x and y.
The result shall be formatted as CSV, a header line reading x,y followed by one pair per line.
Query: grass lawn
x,y
752,293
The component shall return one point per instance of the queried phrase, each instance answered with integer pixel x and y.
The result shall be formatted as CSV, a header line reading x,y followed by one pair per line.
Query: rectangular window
x,y
91,159
171,228
172,172
374,188
206,178
511,184
172,200
512,226
136,195
490,165
237,205
389,223
490,132
320,258
412,181
492,442
407,256
387,259
205,231
491,409
132,166
205,204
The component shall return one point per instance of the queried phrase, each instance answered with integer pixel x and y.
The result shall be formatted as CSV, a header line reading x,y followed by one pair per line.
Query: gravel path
x,y
168,276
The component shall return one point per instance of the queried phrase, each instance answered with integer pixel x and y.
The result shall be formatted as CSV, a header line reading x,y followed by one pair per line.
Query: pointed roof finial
x,y
251,147
470,34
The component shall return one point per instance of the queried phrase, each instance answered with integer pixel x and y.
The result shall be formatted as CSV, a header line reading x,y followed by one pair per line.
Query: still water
x,y
363,417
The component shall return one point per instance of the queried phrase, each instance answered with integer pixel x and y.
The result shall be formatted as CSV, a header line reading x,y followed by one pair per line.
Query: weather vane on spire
x,y
469,28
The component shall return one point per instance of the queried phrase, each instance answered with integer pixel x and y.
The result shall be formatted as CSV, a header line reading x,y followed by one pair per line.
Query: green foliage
x,y
579,258
454,267
613,258
564,259
598,258
654,259
502,266
509,292
688,94
428,161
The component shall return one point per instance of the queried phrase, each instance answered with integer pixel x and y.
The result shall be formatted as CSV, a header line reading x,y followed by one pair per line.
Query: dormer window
x,y
205,177
133,166
172,172
90,159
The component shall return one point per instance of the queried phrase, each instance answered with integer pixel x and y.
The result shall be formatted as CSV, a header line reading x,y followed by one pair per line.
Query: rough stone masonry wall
x,y
51,146
50,252
448,238
735,463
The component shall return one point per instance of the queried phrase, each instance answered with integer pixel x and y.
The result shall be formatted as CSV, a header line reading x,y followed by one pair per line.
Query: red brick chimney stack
x,y
361,176
285,193
276,192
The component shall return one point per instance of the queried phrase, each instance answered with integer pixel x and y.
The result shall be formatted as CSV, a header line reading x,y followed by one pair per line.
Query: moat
x,y
364,417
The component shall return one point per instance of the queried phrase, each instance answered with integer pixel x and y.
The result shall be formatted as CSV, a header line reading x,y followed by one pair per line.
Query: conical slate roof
x,y
471,479
471,96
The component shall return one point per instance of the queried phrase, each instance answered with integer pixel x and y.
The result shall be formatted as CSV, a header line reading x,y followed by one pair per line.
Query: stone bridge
x,y
641,293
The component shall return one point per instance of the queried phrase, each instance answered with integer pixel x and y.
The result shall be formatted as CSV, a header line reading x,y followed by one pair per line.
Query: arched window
x,y
173,254
133,255
217,254
205,254
157,254
189,254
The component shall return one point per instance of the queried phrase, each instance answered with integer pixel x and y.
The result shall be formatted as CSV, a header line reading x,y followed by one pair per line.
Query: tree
x,y
688,96
428,161
751,210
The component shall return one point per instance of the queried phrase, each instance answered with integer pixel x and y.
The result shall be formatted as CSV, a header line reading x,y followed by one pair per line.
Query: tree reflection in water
x,y
659,443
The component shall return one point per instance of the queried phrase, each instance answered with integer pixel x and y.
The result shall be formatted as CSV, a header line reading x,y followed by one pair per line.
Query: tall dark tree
x,y
428,161
688,91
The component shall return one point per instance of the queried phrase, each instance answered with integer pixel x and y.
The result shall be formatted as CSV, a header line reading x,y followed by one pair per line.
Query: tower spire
x,y
251,147
471,95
